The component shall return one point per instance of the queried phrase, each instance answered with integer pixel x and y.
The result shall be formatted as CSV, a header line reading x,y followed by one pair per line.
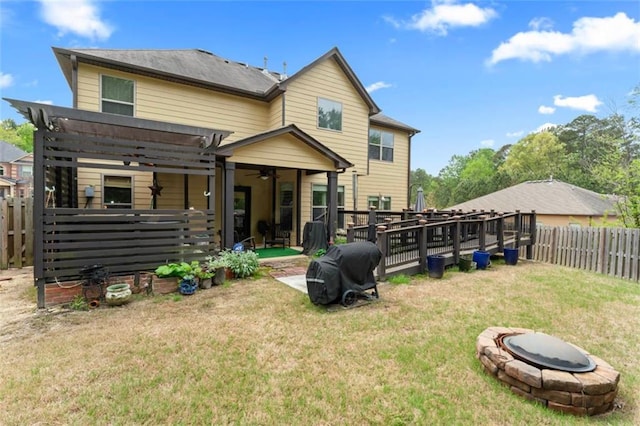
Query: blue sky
x,y
467,74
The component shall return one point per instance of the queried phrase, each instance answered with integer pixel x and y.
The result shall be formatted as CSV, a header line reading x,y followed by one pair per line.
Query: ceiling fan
x,y
264,174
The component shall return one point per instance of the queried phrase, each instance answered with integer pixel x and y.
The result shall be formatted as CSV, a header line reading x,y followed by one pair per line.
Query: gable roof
x,y
342,63
10,152
552,197
339,161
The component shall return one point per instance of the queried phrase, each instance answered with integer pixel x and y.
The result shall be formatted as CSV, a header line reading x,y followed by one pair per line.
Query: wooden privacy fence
x,y
611,251
16,233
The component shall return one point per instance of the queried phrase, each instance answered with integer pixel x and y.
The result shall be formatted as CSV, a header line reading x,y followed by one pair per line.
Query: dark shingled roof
x,y
204,69
383,120
551,197
194,65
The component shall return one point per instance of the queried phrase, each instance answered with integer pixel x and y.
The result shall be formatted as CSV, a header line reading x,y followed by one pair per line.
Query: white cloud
x,y
537,24
615,33
487,142
44,102
6,80
545,127
80,17
515,134
377,86
542,109
588,103
444,15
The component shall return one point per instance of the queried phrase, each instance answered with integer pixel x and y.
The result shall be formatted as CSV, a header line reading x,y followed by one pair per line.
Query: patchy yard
x,y
258,352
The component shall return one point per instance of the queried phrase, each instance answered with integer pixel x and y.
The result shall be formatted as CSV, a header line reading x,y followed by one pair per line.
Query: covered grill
x,y
344,273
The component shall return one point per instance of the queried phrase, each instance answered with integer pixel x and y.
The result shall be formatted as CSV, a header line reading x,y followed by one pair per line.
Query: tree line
x,y
599,154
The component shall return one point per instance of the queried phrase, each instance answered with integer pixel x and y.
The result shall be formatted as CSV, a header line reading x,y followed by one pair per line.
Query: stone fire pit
x,y
578,393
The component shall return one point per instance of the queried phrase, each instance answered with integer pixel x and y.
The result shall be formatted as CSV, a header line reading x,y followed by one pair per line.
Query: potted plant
x,y
183,274
242,263
216,266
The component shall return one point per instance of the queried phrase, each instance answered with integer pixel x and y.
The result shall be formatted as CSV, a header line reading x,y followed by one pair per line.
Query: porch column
x,y
332,204
227,205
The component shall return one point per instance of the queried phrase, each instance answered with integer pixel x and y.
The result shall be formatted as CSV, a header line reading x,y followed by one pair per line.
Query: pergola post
x,y
227,209
332,194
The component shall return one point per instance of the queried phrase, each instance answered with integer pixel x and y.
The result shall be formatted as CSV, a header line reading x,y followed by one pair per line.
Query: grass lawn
x,y
257,352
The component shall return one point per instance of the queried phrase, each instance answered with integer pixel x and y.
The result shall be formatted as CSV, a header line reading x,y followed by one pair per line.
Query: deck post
x,y
382,246
482,235
422,246
456,240
350,232
500,232
532,233
518,227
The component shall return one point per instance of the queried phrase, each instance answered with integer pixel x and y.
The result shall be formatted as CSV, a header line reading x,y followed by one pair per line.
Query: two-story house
x,y
16,171
300,146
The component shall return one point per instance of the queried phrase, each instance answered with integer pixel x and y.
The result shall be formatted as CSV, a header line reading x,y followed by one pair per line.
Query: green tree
x,y
19,135
537,156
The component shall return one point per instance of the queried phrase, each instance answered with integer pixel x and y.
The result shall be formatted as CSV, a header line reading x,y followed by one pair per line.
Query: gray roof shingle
x,y
552,197
9,152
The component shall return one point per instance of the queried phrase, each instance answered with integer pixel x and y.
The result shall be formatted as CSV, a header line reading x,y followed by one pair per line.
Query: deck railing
x,y
406,243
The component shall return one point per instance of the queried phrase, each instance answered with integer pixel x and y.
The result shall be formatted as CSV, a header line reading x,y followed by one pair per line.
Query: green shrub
x,y
242,263
78,303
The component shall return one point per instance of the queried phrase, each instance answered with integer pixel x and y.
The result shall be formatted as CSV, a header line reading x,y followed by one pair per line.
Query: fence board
x,y
610,251
16,233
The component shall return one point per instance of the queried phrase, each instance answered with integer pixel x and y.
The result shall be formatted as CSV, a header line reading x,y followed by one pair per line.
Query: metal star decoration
x,y
155,189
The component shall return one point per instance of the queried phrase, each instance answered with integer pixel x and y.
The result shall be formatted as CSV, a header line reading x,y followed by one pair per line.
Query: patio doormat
x,y
269,252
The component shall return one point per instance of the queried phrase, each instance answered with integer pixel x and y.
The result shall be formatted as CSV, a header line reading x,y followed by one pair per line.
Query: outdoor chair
x,y
280,236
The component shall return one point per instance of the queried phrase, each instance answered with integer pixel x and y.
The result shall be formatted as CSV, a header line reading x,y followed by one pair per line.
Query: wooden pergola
x,y
69,237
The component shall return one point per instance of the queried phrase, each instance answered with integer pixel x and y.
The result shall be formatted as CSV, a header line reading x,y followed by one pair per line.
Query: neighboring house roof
x,y
204,69
339,161
9,181
9,152
550,197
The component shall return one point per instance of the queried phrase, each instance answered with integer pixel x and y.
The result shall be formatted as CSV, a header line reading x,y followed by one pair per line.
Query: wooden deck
x,y
406,244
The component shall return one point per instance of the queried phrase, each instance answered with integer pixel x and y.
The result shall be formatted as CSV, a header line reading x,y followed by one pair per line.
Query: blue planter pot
x,y
510,256
482,259
435,266
187,286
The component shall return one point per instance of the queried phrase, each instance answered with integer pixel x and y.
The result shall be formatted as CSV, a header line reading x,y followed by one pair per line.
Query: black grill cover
x,y
356,262
314,237
323,281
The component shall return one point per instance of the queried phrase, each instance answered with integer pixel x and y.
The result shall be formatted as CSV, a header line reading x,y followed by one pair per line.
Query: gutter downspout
x,y
74,80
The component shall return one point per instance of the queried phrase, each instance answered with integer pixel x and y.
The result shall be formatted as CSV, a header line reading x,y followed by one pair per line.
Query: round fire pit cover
x,y
544,350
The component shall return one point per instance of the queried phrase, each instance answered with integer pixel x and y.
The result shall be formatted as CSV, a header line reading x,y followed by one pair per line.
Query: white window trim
x,y
318,118
115,101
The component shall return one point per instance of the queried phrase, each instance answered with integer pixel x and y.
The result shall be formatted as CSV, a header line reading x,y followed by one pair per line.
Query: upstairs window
x,y
329,114
380,145
117,95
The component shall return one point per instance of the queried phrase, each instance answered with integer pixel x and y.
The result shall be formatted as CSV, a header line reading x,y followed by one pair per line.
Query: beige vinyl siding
x,y
282,151
388,178
275,113
172,194
326,80
140,180
177,103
